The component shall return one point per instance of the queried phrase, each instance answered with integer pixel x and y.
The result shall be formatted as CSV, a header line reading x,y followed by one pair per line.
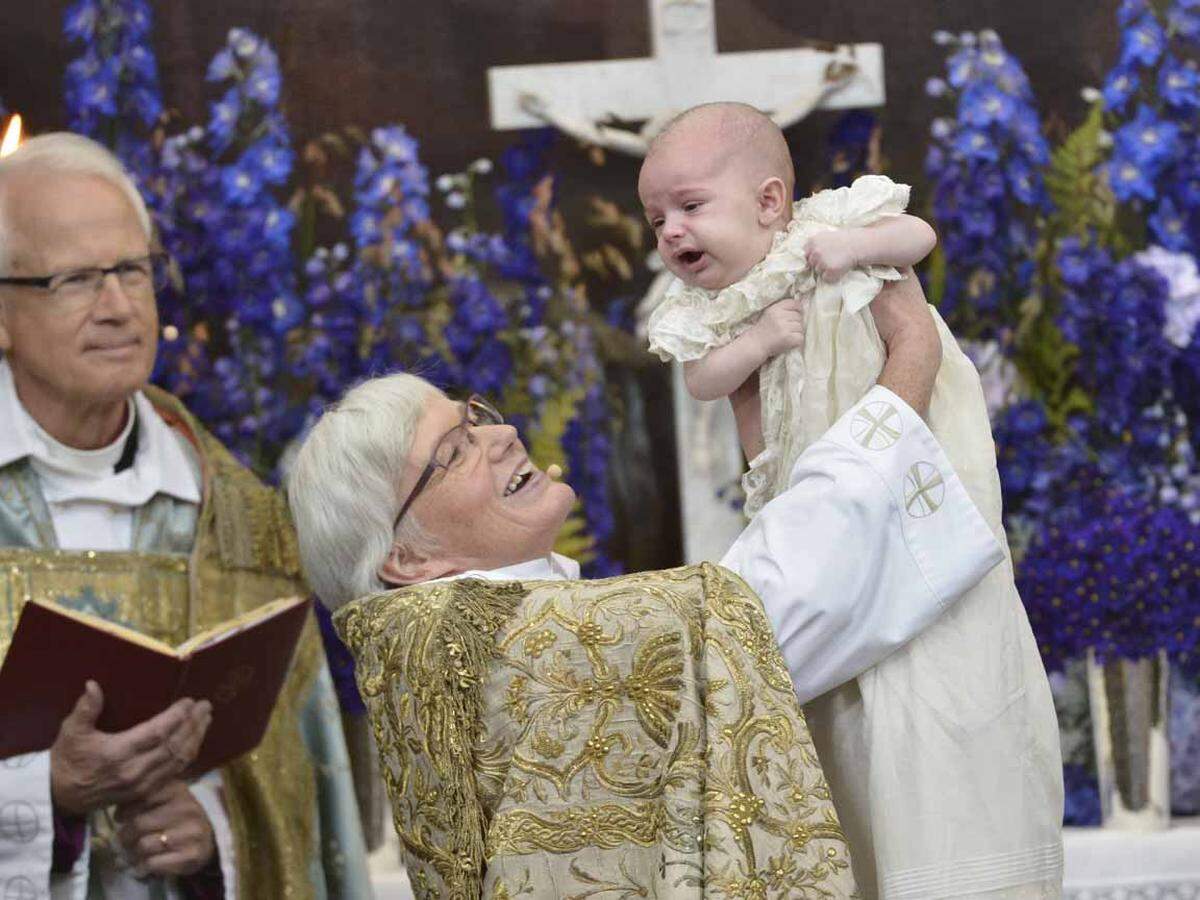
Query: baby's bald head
x,y
716,187
737,134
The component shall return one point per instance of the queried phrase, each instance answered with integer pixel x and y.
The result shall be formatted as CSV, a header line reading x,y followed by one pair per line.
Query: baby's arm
x,y
747,413
724,369
899,241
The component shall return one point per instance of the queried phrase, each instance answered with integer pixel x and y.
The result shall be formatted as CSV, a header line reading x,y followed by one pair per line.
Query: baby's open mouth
x,y
690,257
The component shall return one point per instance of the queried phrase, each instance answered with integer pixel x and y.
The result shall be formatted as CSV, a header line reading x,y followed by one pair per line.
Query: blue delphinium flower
x,y
1169,226
223,118
262,85
986,167
1184,19
79,21
984,104
976,146
223,65
1113,572
1143,41
231,235
1024,452
98,86
1142,149
389,179
1130,11
1179,85
270,161
239,185
1154,150
1148,140
1078,260
113,85
489,369
1129,180
1121,84
1114,312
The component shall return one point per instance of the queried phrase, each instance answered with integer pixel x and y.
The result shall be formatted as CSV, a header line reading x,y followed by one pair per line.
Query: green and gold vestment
x,y
192,569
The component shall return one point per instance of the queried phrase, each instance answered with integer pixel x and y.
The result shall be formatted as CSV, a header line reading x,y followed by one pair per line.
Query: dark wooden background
x,y
374,62
423,64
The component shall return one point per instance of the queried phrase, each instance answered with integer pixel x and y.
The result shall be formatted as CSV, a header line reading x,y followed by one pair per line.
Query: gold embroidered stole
x,y
244,555
635,736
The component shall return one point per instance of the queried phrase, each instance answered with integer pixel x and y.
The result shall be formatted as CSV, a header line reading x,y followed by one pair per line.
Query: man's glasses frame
x,y
476,412
134,274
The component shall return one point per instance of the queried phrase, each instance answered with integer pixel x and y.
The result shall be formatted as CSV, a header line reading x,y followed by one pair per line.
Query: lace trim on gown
x,y
691,321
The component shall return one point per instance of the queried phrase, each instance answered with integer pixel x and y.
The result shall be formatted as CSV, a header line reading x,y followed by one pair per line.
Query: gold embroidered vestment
x,y
629,737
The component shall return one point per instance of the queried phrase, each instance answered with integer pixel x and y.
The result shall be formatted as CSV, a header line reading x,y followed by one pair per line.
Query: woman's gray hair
x,y
343,484
68,154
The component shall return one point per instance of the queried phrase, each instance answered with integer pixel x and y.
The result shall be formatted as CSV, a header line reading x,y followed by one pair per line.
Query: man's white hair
x,y
343,487
69,154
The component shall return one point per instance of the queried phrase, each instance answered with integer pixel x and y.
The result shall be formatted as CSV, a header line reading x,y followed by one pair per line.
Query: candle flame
x,y
12,136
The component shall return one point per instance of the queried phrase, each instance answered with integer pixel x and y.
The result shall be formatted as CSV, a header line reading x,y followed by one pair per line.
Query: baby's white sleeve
x,y
677,333
869,199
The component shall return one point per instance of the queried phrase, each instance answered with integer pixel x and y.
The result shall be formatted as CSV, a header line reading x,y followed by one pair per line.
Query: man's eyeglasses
x,y
452,446
80,287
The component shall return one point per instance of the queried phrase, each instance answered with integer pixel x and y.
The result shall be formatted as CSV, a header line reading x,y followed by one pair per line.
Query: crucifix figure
x,y
587,99
684,69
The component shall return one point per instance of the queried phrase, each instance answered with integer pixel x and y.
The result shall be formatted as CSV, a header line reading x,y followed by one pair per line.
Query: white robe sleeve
x,y
874,537
27,833
208,791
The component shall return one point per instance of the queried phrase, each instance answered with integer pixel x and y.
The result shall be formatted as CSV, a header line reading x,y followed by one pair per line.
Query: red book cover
x,y
239,667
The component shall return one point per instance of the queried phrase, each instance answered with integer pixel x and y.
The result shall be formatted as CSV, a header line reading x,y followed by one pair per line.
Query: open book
x,y
239,666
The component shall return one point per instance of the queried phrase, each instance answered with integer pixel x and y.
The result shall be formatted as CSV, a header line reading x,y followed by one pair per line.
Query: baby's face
x,y
704,210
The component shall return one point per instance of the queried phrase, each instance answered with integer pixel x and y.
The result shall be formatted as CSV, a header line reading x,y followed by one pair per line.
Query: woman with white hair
x,y
546,736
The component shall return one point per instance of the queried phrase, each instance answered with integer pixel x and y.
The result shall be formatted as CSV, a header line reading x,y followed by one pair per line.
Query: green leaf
x,y
1046,360
1082,198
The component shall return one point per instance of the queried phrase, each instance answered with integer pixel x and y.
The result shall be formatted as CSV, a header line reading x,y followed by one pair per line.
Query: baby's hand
x,y
831,254
780,327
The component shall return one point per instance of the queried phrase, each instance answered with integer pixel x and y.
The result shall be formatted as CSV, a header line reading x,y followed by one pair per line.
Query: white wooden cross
x,y
583,98
684,70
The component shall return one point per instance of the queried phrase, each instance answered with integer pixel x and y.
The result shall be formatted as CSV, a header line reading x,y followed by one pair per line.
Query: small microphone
x,y
554,471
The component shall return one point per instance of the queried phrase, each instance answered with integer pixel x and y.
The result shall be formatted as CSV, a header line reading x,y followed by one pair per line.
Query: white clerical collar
x,y
554,567
160,466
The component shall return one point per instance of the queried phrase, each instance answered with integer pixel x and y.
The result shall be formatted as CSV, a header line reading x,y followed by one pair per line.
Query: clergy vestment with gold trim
x,y
294,825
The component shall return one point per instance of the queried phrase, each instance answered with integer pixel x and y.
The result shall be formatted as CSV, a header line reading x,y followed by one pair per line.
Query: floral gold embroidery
x,y
655,684
630,737
571,830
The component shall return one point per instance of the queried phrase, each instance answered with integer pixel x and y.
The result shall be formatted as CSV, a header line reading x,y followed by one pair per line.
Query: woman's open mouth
x,y
518,481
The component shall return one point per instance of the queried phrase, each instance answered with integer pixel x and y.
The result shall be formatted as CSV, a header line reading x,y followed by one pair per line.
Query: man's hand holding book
x,y
91,770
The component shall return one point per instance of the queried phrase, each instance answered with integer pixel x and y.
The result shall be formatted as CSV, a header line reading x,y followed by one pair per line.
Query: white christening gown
x,y
944,759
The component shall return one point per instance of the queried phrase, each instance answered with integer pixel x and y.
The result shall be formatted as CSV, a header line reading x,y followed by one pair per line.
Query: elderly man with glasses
x,y
544,736
115,501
